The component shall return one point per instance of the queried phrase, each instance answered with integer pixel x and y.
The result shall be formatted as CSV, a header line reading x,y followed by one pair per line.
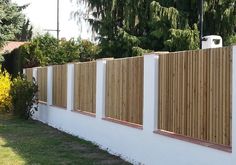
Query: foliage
x,y
231,40
156,24
5,85
137,51
87,51
24,97
11,20
13,63
119,46
46,46
31,55
220,18
46,50
183,39
26,31
67,51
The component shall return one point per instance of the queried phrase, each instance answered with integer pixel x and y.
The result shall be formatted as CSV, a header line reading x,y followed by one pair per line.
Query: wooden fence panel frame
x,y
29,74
124,90
85,87
42,83
59,86
195,94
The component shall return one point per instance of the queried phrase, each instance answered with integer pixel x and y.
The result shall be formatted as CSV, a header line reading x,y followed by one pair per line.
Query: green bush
x,y
230,40
24,97
46,50
5,86
88,51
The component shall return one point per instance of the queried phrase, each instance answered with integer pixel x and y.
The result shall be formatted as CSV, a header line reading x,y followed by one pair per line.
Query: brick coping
x,y
42,102
195,141
56,106
125,123
84,113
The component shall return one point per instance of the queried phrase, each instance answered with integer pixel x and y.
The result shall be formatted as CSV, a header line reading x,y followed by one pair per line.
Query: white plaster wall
x,y
135,145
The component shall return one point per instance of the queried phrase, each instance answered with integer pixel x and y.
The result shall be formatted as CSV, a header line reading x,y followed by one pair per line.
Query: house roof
x,y
10,46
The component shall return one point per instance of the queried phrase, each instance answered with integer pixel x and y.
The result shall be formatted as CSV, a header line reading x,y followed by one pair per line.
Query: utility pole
x,y
58,28
201,22
58,25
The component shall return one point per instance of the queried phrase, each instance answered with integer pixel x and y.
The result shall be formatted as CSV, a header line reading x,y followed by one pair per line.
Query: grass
x,y
31,142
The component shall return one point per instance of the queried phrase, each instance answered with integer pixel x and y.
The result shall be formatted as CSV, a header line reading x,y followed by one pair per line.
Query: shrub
x,y
46,50
31,55
5,85
24,97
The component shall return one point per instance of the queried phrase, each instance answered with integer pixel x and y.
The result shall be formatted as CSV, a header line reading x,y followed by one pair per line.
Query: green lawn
x,y
31,142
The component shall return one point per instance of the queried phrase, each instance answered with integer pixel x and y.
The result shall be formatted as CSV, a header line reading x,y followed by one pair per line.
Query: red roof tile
x,y
10,46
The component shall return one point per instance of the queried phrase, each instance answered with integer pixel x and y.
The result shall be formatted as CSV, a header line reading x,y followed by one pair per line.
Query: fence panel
x,y
195,94
29,74
124,89
85,87
42,83
59,86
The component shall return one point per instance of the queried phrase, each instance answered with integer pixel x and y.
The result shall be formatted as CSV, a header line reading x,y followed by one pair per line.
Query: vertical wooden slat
x,y
60,85
85,87
42,83
29,74
195,94
124,85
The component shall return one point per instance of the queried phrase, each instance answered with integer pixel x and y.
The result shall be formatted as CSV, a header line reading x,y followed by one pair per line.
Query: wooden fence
x,y
194,91
29,74
42,83
59,86
85,87
195,94
124,89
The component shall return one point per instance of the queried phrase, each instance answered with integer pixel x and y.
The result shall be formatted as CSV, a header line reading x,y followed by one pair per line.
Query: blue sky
x,y
42,14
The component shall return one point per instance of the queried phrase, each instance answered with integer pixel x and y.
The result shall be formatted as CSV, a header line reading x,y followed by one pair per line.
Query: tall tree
x,y
26,31
157,24
11,20
220,18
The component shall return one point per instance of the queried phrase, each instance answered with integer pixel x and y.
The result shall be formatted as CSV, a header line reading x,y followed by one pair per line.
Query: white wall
x,y
135,145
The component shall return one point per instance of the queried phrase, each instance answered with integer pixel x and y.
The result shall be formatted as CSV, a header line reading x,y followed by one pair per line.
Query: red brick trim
x,y
84,113
125,123
42,102
195,141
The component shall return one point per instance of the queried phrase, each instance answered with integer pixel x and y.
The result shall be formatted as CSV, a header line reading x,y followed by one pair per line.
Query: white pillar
x,y
234,102
150,93
24,71
49,85
35,73
70,87
100,88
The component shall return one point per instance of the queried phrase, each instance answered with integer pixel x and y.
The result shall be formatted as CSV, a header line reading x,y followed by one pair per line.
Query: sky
x,y
43,15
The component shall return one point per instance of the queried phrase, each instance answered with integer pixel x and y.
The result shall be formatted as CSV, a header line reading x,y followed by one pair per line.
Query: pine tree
x,y
26,31
11,20
157,25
